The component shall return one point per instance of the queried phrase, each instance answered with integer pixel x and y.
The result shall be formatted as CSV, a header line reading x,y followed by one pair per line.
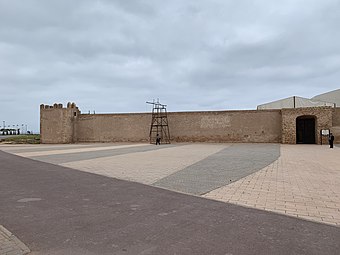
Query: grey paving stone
x,y
222,168
71,157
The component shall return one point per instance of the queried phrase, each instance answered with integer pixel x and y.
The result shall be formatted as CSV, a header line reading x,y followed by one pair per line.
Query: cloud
x,y
112,56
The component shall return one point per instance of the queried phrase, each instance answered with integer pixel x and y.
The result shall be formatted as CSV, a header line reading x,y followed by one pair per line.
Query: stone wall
x,y
336,125
323,117
132,127
226,126
213,126
336,117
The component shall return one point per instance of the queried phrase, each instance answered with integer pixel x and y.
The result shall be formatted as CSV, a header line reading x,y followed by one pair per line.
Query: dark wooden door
x,y
305,130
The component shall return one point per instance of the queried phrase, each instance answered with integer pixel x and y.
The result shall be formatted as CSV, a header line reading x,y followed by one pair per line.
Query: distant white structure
x,y
332,96
331,99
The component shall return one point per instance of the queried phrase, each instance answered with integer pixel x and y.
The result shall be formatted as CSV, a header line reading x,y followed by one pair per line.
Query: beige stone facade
x,y
336,124
226,126
68,125
323,120
57,123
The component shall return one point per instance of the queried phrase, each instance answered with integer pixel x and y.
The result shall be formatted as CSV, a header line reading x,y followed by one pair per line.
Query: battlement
x,y
59,106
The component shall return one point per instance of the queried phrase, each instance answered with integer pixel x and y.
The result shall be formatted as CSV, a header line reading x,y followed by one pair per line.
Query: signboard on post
x,y
324,132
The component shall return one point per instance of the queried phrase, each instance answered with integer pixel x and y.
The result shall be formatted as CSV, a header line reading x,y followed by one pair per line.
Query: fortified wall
x,y
68,125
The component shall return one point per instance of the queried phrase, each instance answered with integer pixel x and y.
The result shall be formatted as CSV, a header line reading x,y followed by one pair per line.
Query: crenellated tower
x,y
57,124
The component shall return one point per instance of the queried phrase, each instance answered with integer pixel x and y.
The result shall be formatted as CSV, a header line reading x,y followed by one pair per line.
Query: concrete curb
x,y
11,244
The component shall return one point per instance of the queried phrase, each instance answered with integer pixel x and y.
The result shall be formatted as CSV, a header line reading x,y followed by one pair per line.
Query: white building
x,y
332,96
331,99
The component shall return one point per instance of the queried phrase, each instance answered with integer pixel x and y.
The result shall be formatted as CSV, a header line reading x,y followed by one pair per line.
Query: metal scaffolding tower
x,y
159,123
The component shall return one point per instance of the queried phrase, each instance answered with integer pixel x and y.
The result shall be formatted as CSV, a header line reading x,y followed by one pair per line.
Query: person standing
x,y
331,140
158,140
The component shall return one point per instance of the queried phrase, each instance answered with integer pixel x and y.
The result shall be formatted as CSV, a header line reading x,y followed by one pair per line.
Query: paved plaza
x,y
299,181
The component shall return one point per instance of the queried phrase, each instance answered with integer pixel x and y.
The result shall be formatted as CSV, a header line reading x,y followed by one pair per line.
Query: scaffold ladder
x,y
159,123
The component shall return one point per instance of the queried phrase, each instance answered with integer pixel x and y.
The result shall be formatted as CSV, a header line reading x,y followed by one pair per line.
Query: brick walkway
x,y
10,245
304,182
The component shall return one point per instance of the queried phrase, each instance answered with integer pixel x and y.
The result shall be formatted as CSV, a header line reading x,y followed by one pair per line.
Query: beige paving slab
x,y
11,147
8,147
148,167
70,150
304,182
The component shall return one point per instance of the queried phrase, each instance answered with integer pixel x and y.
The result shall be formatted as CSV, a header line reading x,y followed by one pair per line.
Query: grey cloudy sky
x,y
112,56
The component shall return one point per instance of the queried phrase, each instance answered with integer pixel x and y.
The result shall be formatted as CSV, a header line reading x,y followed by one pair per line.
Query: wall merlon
x,y
71,105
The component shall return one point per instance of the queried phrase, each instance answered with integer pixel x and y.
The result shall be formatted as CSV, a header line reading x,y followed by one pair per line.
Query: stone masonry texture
x,y
323,117
68,125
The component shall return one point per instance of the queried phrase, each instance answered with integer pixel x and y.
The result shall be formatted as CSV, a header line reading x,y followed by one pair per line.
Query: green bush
x,y
22,139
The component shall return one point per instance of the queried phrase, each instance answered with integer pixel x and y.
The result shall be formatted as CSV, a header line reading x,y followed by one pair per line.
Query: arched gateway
x,y
303,125
305,129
